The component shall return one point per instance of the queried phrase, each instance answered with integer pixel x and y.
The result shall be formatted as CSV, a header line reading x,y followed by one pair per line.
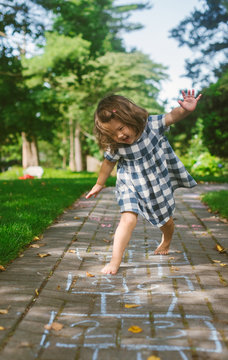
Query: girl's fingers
x,y
198,97
183,94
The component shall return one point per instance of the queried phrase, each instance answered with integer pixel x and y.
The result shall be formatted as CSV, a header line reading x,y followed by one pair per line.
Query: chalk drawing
x,y
168,326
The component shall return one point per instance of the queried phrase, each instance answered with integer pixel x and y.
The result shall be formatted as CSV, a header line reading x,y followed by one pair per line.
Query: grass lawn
x,y
217,202
27,207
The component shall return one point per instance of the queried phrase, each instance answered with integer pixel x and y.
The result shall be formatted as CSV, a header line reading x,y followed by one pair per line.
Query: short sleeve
x,y
112,156
157,123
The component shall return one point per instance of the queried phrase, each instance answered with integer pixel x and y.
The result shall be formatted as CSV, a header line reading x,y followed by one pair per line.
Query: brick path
x,y
181,298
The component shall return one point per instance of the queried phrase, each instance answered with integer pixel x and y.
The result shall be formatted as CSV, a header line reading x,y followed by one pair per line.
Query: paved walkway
x,y
60,307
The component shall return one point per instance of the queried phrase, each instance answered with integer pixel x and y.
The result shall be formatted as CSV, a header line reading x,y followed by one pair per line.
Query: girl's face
x,y
119,132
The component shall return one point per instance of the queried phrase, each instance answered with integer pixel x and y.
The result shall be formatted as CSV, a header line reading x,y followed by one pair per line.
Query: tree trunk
x,y
30,154
78,151
64,155
72,164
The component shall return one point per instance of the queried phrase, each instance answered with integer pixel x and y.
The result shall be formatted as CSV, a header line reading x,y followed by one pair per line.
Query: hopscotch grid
x,y
134,294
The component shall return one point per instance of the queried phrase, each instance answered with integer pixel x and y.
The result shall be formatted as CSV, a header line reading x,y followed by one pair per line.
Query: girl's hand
x,y
189,103
94,191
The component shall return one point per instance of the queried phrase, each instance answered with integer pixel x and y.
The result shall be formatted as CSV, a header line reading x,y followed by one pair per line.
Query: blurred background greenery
x,y
58,58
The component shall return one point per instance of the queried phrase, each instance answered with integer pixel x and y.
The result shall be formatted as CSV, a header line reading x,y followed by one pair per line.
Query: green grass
x,y
217,202
27,207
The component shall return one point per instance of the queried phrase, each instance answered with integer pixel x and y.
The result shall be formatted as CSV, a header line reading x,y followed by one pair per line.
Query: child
x,y
148,170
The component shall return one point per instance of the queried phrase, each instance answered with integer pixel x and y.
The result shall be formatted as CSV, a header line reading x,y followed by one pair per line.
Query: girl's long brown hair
x,y
120,108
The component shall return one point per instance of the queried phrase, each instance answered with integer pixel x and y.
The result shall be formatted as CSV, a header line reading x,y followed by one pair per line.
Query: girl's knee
x,y
129,218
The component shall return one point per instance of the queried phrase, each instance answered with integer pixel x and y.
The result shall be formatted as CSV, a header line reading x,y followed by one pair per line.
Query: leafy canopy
x,y
205,32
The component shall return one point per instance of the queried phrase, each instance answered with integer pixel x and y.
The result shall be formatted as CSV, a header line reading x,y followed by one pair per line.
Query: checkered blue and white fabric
x,y
148,172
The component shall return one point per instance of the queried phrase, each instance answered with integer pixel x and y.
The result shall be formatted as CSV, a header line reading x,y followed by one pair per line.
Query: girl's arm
x,y
186,107
105,171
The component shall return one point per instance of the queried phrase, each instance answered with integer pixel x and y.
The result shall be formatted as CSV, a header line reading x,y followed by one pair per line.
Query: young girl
x,y
148,170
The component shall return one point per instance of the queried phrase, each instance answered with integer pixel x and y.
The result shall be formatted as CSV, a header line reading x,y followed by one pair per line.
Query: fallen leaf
x,y
204,234
89,275
135,329
54,326
36,238
4,311
72,251
223,264
2,268
223,282
25,344
174,268
178,251
107,241
76,217
131,306
37,292
219,248
2,328
58,287
171,258
216,261
43,255
153,358
35,246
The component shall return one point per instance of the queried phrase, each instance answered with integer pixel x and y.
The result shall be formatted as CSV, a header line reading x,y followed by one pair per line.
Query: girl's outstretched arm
x,y
105,171
187,105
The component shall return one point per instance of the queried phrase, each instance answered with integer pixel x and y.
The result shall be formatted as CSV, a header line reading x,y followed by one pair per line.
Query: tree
x,y
214,110
205,32
20,23
99,21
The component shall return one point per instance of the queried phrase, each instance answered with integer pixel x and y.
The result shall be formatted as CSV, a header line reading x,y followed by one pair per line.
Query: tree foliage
x,y
99,21
205,32
214,110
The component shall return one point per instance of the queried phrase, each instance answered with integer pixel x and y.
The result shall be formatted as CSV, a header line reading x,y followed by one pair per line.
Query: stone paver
x,y
181,298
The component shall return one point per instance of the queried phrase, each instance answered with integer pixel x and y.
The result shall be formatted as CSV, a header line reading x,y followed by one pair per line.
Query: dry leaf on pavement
x,y
4,311
131,306
220,248
25,344
35,246
89,275
43,255
135,329
174,268
54,326
2,268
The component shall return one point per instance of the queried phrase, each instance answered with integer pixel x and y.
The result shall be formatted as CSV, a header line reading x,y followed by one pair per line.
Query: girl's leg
x,y
167,234
122,237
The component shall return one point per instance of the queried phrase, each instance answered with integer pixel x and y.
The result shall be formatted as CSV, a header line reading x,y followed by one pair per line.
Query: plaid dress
x,y
148,172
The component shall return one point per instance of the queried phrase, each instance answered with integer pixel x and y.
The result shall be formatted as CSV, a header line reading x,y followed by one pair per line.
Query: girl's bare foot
x,y
110,268
167,234
163,248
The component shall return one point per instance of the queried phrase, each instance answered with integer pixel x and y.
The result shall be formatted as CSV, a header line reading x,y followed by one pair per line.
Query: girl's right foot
x,y
110,269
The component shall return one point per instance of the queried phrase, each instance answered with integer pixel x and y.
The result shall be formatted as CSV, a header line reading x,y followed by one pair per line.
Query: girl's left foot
x,y
163,248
